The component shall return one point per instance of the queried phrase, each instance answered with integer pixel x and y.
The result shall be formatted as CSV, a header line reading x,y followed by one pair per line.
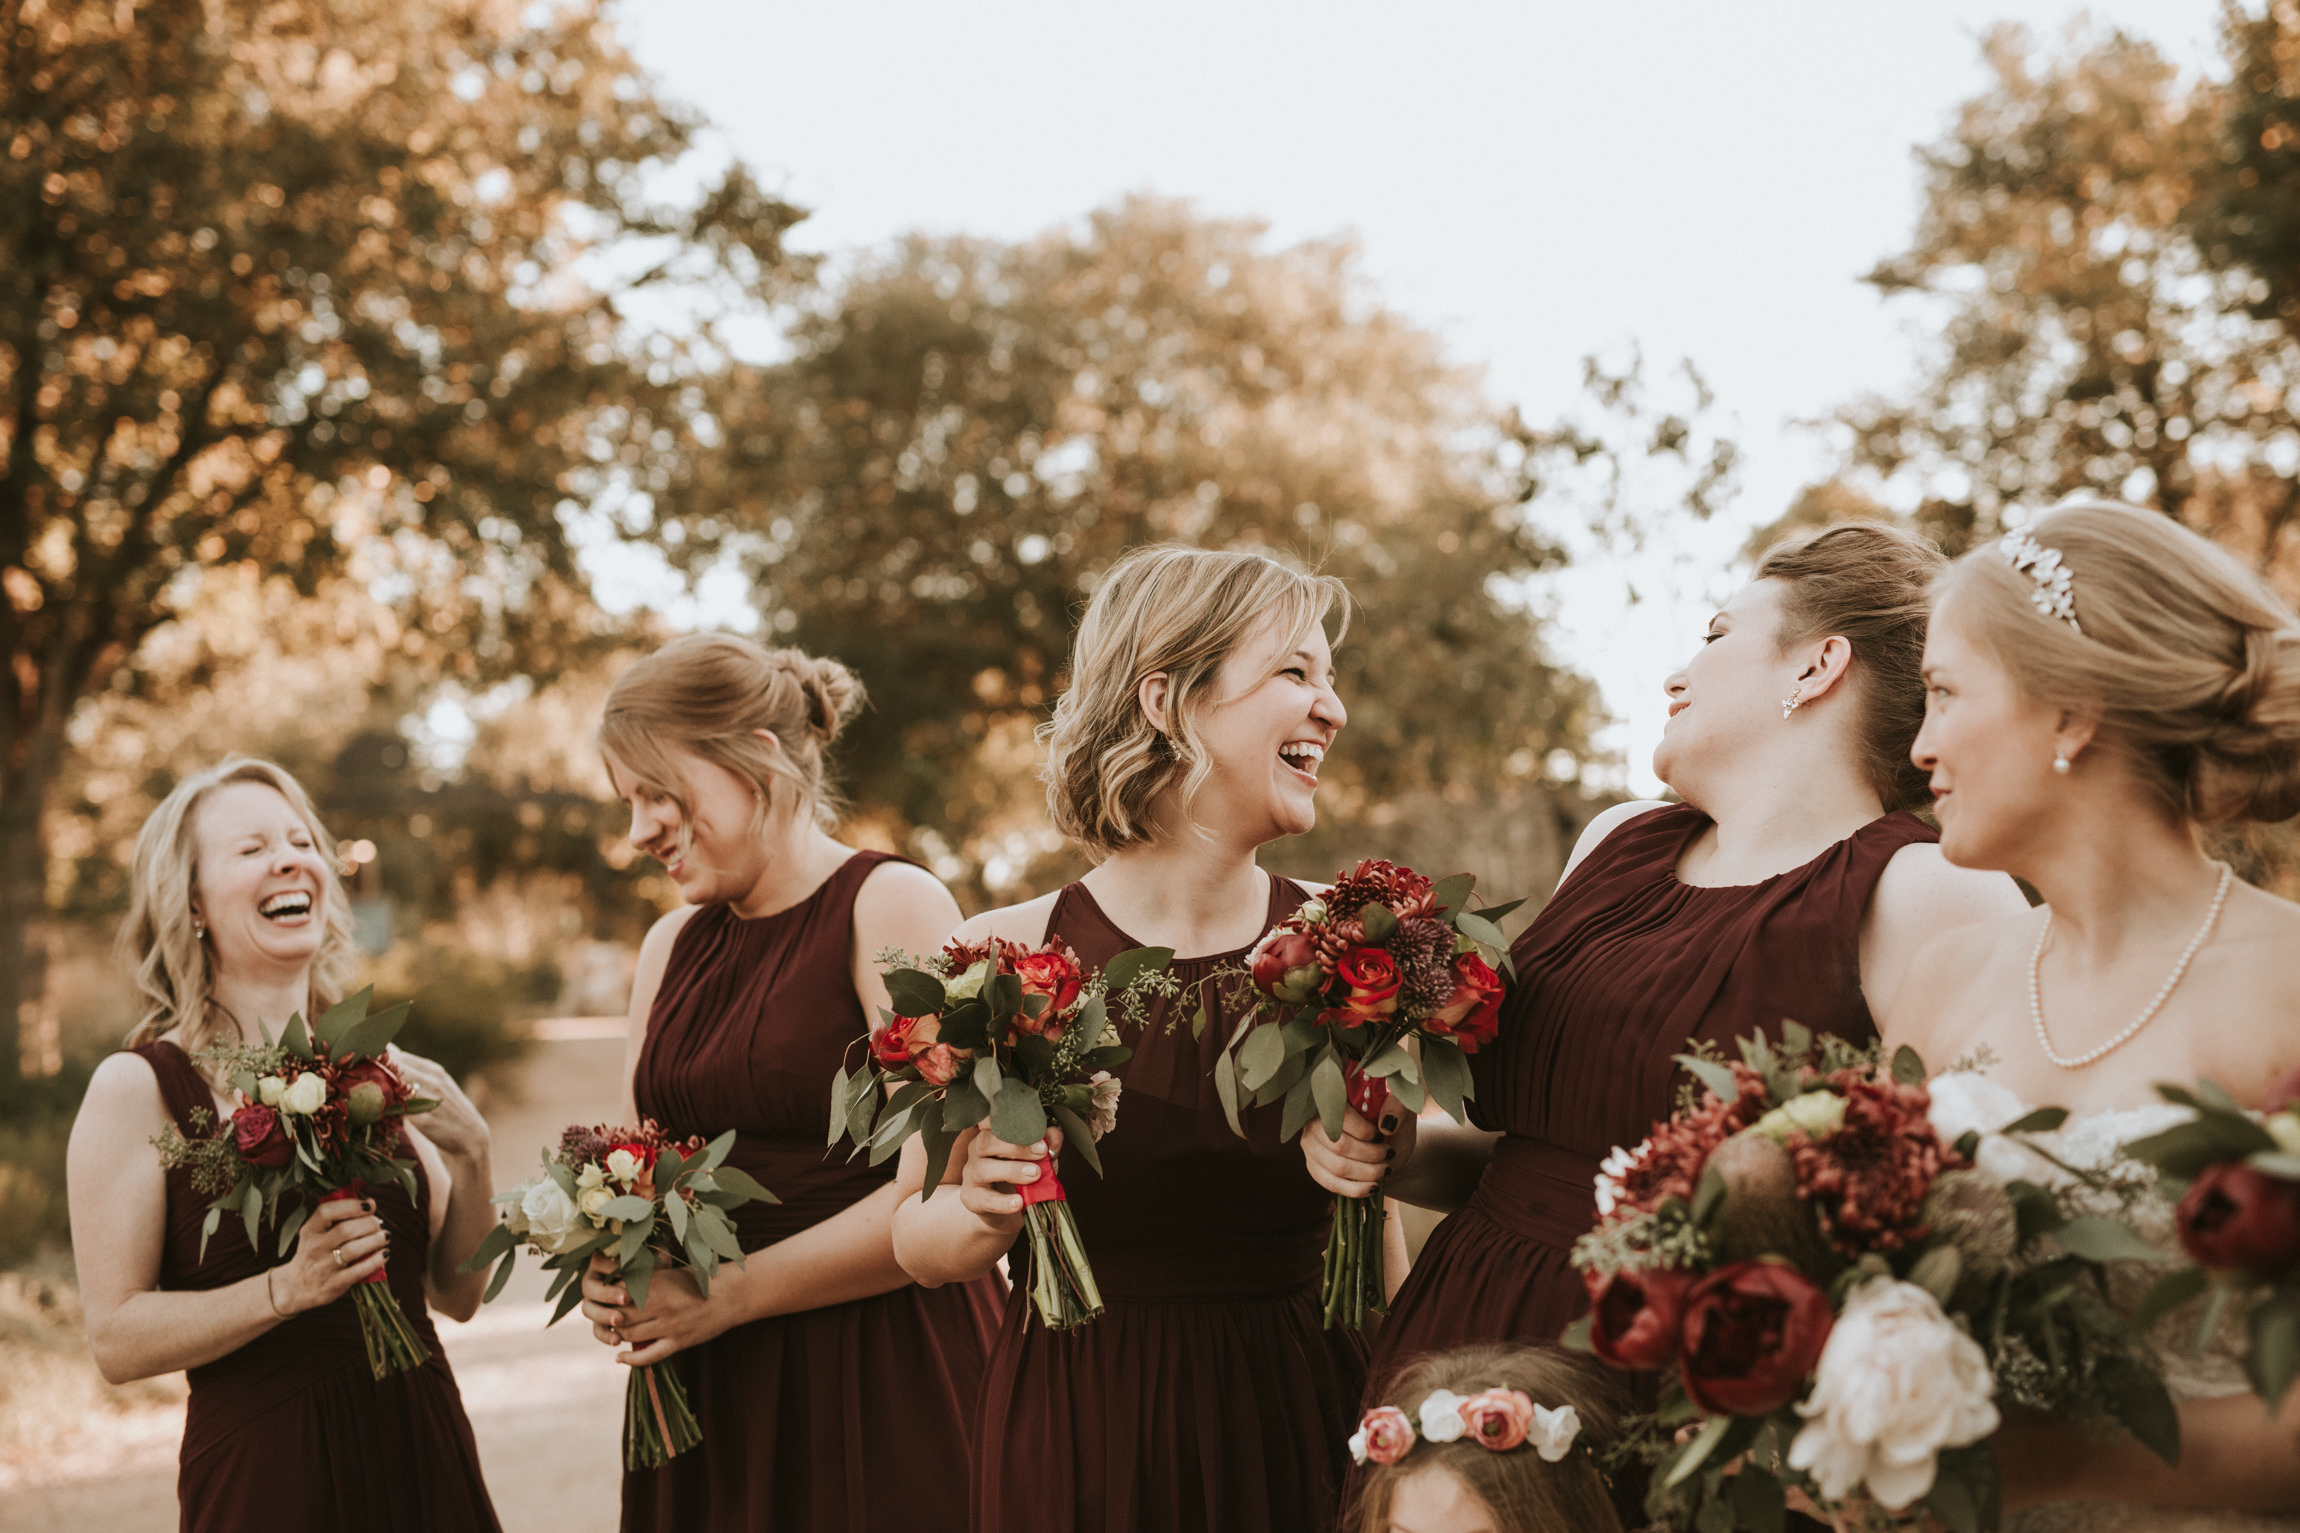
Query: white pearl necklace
x,y
2036,985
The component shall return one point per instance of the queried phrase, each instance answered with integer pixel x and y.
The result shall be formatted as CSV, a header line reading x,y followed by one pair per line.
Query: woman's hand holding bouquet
x,y
997,1036
1343,986
319,1120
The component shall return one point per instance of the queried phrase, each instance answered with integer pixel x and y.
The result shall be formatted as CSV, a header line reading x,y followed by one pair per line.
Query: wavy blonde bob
x,y
2190,661
1181,611
707,695
174,969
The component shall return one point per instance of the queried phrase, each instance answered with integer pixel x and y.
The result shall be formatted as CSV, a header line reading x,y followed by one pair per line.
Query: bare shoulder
x,y
1594,833
1024,923
2260,932
1940,1007
1923,891
893,888
126,1086
655,950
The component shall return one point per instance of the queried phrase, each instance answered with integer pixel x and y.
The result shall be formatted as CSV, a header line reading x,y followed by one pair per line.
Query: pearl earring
x,y
2060,763
199,929
1794,701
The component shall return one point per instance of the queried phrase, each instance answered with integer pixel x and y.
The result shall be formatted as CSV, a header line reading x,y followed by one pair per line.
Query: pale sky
x,y
1533,181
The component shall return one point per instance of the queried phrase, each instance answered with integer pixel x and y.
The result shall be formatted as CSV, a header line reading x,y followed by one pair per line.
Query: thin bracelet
x,y
277,1312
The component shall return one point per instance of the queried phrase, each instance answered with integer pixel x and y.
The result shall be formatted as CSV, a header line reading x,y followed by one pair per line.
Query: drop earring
x,y
1794,701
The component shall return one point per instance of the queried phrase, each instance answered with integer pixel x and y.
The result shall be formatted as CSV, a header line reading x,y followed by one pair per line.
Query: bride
x,y
2098,687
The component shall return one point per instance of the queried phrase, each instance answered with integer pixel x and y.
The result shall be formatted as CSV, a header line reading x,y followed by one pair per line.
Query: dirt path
x,y
546,1406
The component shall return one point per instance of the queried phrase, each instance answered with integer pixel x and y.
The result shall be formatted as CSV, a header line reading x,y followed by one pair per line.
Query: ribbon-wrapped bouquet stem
x,y
652,1202
320,1117
1013,1039
1348,990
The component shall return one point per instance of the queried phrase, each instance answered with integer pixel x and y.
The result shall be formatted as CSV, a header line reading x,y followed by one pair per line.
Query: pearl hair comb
x,y
2055,594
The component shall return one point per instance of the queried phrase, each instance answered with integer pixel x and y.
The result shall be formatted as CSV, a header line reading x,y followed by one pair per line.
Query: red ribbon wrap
x,y
1048,1187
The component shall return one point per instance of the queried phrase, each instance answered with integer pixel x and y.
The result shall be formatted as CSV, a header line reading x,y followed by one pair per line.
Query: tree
x,y
290,289
970,431
2102,239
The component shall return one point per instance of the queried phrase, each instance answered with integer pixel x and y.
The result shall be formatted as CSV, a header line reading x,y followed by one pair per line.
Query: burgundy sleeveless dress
x,y
292,1430
852,1418
1207,1398
1622,966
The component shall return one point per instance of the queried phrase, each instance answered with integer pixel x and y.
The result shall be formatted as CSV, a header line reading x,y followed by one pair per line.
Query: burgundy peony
x,y
259,1136
1370,976
1286,966
1473,1013
1635,1316
2238,1219
1752,1333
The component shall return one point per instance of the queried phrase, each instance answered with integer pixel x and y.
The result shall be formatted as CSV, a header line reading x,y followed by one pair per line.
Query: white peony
x,y
306,1096
623,1166
1965,1102
268,1090
1441,1416
1897,1383
1554,1431
554,1223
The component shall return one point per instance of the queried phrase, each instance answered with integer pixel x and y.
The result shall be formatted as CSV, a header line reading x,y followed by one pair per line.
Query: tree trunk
x,y
23,892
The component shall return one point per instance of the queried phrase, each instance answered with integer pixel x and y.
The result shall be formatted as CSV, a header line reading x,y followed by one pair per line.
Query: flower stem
x,y
1061,1279
1353,1284
658,1423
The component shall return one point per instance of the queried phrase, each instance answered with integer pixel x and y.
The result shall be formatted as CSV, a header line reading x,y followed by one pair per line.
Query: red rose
x,y
1472,1014
1634,1316
259,1136
1054,975
1372,977
1752,1333
1286,966
2237,1219
939,1065
890,1044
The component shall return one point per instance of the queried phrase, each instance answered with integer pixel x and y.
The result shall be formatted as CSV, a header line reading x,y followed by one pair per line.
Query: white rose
x,y
1897,1383
514,1215
1441,1416
591,1176
969,984
554,1223
1554,1431
1968,1103
268,1090
1818,1114
306,1096
593,1200
623,1166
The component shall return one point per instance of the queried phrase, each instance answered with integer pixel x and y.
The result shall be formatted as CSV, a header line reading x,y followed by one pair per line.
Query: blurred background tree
x,y
295,296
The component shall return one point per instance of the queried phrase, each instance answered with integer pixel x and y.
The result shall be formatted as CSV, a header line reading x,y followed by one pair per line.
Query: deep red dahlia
x,y
1669,1163
1868,1180
1383,883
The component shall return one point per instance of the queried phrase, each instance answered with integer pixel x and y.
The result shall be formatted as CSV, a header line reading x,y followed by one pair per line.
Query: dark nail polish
x,y
1389,1122
1391,1153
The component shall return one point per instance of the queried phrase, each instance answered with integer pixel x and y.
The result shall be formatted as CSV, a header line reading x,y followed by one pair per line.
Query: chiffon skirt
x,y
267,1445
848,1419
1217,1415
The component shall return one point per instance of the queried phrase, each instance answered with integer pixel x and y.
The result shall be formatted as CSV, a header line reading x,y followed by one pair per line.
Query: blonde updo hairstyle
x,y
1182,611
707,695
1869,583
174,969
2188,659
1524,1494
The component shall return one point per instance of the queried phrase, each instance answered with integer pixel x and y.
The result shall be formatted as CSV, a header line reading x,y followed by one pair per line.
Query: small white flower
x,y
1441,1416
591,1176
1103,1116
1897,1383
623,1166
1554,1431
969,984
306,1096
1311,913
1358,1446
593,1202
269,1090
554,1223
1609,1177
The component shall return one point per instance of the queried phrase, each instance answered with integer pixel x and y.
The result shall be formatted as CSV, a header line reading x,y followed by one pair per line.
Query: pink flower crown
x,y
1499,1419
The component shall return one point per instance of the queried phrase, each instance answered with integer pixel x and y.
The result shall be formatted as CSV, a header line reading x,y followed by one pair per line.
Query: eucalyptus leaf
x,y
1327,1086
2103,1240
1300,1107
1132,964
938,1139
840,1103
915,992
2042,1121
2275,1351
1380,922
1481,931
1445,1070
567,1301
963,1106
1759,1503
497,1241
675,1209
1908,1066
1259,1058
716,1152
1086,1028
502,1276
1016,1116
1226,1090
1712,1432
988,1080
1712,1075
2167,1294
740,1182
1494,913
626,1208
1077,1135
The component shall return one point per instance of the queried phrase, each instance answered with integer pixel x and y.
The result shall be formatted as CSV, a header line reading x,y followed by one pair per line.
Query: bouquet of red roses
x,y
319,1117
653,1202
1342,985
997,1034
1841,1297
2237,1182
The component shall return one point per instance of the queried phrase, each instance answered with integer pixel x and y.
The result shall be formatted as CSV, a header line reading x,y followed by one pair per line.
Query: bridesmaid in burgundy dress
x,y
834,1395
1207,1399
1791,883
238,919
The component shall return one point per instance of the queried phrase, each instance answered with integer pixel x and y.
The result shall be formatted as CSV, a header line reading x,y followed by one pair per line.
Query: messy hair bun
x,y
2190,659
709,695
